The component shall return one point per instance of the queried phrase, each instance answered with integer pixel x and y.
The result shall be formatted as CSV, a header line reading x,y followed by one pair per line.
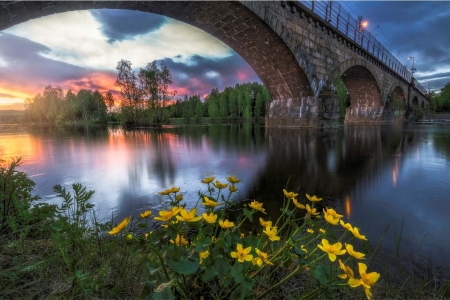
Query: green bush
x,y
190,255
15,198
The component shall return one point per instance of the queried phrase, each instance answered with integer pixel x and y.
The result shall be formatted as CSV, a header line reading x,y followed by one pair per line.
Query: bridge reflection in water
x,y
374,175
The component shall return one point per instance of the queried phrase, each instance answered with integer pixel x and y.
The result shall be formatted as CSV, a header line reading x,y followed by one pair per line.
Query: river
x,y
373,174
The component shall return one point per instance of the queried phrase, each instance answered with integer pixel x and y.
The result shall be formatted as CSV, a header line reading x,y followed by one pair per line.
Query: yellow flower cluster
x,y
216,227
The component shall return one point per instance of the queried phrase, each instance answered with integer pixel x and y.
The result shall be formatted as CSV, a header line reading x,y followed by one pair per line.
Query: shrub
x,y
15,197
191,255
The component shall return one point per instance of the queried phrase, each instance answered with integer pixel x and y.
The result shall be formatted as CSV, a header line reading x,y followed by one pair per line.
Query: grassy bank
x,y
65,252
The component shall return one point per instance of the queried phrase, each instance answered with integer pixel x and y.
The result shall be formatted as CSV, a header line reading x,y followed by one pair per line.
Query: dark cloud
x,y
25,63
411,28
200,75
119,25
29,72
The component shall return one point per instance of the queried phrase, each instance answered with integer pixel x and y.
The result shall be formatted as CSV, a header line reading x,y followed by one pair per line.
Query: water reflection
x,y
371,174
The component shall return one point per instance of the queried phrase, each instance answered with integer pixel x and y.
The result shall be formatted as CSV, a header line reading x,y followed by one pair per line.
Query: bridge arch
x,y
231,22
363,87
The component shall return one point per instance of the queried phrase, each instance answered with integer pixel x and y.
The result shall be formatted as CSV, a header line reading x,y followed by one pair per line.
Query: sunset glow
x,y
77,57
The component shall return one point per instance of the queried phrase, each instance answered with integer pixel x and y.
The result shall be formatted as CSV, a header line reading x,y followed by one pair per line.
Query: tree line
x,y
145,100
56,107
244,101
441,102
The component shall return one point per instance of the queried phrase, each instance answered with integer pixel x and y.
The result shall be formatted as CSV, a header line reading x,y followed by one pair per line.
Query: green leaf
x,y
220,269
322,273
147,291
164,291
151,270
228,241
248,214
236,272
247,283
239,293
185,265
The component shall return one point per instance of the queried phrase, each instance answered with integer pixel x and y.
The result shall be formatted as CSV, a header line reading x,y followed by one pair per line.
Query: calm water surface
x,y
374,175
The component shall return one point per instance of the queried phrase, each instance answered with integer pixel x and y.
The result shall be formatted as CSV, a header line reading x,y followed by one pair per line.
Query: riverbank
x,y
55,257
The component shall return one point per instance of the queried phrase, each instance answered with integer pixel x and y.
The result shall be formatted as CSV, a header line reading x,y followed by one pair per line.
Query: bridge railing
x,y
335,15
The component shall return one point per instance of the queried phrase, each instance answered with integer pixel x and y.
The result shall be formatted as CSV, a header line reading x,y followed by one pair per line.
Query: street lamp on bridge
x,y
412,67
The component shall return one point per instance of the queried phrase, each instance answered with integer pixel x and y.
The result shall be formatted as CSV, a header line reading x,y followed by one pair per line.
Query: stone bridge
x,y
298,51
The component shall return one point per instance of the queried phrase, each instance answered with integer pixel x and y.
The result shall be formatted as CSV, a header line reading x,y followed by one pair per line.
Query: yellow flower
x,y
211,218
309,230
129,237
289,195
180,241
220,185
367,280
351,252
120,227
313,198
165,192
242,254
302,247
147,234
257,206
332,250
242,235
232,188
188,216
271,233
299,205
312,212
265,223
331,216
209,202
168,191
146,214
347,226
321,230
262,258
233,180
226,224
203,255
208,179
179,197
348,272
167,215
358,235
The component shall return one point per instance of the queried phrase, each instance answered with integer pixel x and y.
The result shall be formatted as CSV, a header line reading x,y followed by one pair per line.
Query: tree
x,y
213,103
109,100
154,83
129,92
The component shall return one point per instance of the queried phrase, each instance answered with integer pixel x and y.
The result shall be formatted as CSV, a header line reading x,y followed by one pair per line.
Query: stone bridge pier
x,y
297,55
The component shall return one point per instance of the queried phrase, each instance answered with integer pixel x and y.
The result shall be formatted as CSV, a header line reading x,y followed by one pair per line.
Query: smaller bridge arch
x,y
363,86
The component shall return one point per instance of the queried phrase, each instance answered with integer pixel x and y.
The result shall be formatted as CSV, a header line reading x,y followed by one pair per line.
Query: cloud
x,y
200,74
77,38
118,25
413,28
27,71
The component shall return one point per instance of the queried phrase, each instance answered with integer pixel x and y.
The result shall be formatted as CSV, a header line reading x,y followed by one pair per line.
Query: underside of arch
x,y
231,22
364,94
395,105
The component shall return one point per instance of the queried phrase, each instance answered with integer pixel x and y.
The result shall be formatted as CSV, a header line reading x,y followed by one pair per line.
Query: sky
x,y
80,49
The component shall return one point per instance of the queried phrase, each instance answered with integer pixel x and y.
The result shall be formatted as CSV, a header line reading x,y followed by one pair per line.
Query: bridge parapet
x,y
334,15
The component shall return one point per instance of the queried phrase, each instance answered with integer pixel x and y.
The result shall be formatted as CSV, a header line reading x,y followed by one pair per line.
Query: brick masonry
x,y
296,56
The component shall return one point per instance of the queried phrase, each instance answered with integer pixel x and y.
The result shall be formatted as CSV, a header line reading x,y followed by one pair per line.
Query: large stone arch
x,y
396,102
363,86
231,22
